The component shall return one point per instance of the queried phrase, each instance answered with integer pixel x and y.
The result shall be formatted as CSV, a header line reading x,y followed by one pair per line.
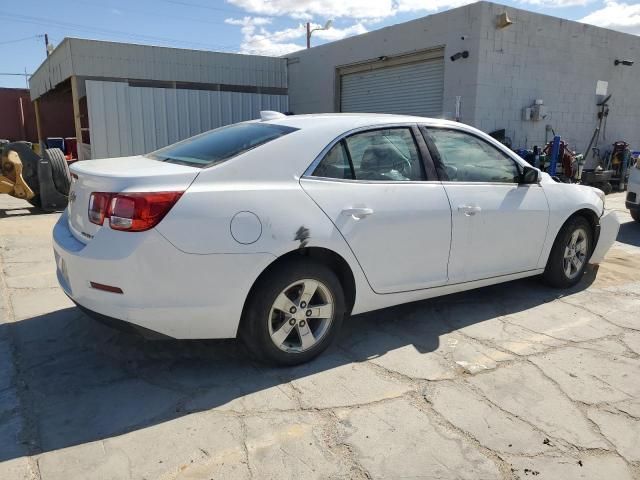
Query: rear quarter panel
x,y
200,223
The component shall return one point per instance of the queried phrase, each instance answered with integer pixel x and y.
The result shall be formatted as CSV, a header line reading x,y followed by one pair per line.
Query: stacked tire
x,y
59,170
60,176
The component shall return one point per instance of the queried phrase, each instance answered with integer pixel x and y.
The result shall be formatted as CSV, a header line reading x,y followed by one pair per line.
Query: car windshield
x,y
216,146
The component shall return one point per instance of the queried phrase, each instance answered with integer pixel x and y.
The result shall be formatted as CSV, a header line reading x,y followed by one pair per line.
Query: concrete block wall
x,y
312,73
558,61
537,57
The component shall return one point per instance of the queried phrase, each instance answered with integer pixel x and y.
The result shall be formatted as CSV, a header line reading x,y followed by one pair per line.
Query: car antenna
x,y
270,115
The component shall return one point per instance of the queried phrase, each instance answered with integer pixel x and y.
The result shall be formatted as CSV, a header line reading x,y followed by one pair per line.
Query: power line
x,y
199,5
104,31
146,13
21,39
16,74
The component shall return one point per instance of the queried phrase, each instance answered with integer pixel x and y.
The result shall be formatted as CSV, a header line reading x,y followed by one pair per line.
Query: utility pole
x,y
308,35
46,43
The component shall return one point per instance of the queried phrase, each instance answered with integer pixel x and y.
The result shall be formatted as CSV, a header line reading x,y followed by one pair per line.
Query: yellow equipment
x,y
11,180
42,181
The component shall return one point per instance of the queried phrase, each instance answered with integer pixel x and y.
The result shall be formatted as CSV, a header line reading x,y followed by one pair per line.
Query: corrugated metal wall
x,y
111,60
126,120
412,89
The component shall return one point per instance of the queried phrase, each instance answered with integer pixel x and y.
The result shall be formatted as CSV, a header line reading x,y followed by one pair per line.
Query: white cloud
x,y
358,9
430,5
256,39
339,33
617,16
558,3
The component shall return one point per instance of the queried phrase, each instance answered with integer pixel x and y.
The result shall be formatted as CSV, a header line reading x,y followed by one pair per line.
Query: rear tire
x,y
59,170
569,254
294,313
635,214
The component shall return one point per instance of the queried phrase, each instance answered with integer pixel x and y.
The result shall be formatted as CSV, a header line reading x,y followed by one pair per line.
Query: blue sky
x,y
270,27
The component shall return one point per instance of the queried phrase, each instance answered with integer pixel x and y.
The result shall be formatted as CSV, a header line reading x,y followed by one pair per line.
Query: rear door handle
x,y
358,213
469,210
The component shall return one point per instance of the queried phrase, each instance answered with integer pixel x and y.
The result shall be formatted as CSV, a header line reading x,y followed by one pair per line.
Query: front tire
x,y
294,313
570,254
635,214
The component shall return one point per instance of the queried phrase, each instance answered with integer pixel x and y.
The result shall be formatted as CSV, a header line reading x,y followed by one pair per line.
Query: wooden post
x,y
36,107
76,115
23,131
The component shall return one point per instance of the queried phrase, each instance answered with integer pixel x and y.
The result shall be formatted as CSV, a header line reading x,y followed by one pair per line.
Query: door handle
x,y
358,213
469,210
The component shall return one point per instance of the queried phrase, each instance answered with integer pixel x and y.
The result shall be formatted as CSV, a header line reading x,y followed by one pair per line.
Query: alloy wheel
x,y
575,253
301,316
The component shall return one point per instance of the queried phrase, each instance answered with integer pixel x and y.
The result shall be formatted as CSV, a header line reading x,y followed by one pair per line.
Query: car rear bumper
x,y
609,226
164,290
121,325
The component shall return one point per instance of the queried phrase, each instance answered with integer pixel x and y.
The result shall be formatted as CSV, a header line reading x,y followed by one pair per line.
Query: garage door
x,y
410,88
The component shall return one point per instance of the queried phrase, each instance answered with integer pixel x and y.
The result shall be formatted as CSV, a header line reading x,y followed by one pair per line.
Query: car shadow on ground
x,y
79,381
629,233
22,212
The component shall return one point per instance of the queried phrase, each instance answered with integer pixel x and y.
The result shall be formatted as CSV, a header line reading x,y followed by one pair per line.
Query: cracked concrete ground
x,y
507,382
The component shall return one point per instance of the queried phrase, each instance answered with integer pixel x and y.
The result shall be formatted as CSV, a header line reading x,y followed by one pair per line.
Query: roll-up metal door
x,y
409,88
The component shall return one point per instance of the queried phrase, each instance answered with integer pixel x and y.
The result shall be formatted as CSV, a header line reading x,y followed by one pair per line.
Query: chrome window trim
x,y
388,182
420,182
308,173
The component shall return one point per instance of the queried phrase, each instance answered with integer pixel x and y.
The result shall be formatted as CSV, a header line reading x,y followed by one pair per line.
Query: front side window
x,y
387,154
467,158
216,146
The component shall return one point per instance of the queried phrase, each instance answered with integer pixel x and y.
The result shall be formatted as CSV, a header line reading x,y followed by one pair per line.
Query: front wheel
x,y
293,313
570,253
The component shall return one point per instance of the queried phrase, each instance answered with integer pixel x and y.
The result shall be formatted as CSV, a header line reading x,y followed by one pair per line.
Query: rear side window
x,y
216,146
335,164
388,154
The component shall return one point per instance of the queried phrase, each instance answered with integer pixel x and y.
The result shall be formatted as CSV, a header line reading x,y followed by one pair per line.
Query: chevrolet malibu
x,y
277,229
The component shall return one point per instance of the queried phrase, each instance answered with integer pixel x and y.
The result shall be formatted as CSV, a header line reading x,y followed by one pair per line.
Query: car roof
x,y
353,120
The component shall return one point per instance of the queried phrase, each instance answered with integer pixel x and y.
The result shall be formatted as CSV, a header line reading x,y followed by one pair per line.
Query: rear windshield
x,y
221,144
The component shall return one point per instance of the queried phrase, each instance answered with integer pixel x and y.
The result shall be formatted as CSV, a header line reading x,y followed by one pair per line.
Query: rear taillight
x,y
132,212
98,206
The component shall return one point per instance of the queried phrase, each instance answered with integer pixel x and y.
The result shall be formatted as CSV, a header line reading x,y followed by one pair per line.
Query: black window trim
x,y
427,167
439,164
346,150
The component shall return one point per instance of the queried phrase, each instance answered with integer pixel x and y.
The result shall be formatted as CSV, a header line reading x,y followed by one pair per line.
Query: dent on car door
x,y
373,187
499,225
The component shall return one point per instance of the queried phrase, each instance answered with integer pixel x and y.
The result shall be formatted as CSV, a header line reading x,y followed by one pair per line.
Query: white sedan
x,y
275,230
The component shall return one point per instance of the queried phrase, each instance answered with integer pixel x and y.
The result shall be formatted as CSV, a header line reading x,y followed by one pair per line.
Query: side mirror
x,y
529,175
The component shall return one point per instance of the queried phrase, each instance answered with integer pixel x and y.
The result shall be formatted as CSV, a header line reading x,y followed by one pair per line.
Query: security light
x,y
628,63
459,55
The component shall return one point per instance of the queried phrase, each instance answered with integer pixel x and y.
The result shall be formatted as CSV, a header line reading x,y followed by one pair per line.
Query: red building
x,y
18,117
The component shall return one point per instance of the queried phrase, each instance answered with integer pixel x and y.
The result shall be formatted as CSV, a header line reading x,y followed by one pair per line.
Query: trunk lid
x,y
125,174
